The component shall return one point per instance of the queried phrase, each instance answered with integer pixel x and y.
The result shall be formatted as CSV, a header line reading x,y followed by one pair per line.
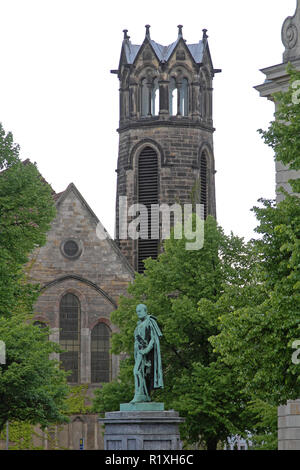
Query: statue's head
x,y
141,310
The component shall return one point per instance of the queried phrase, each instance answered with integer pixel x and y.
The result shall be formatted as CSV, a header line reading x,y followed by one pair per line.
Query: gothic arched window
x,y
149,97
203,183
184,105
144,98
178,97
173,97
69,335
148,196
100,354
155,98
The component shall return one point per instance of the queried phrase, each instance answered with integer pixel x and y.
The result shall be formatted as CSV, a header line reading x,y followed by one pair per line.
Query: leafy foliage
x,y
32,387
257,339
26,210
76,400
264,435
111,394
180,289
21,434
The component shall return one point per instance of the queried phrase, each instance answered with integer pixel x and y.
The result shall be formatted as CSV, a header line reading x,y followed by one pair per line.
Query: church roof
x,y
163,53
198,52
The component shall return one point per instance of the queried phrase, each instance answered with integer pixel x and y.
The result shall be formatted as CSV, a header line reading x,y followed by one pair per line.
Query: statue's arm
x,y
148,348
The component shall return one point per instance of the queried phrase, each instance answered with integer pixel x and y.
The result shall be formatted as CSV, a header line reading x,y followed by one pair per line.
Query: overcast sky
x,y
61,103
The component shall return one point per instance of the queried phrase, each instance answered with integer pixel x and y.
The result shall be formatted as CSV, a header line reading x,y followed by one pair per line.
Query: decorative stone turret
x,y
166,130
291,36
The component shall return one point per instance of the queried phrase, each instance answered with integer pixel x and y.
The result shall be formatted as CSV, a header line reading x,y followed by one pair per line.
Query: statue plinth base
x,y
142,430
145,406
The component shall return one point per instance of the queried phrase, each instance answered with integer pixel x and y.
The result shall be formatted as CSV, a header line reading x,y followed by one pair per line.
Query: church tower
x,y
165,134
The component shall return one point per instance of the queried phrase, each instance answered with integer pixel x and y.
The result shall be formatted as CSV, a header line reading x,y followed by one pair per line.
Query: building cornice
x,y
177,122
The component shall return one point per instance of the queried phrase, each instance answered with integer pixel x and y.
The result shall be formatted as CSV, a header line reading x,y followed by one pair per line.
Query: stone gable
x,y
100,261
97,275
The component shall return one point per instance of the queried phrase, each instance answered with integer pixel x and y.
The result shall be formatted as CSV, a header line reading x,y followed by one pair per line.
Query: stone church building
x,y
165,152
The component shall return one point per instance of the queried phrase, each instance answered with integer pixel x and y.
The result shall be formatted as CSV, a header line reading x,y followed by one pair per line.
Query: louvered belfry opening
x,y
147,195
203,183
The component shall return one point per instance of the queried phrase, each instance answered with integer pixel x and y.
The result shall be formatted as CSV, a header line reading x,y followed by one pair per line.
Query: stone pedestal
x,y
142,430
289,426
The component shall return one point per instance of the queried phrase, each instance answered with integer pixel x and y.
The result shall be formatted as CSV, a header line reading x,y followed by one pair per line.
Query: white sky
x,y
61,103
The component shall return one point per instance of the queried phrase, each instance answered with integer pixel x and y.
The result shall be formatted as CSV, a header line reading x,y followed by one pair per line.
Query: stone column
x,y
210,105
85,356
179,98
195,87
149,85
133,99
164,97
121,105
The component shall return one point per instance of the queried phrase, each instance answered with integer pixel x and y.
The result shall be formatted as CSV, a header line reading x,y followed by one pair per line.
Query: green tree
x,y
26,210
179,289
264,432
32,387
257,339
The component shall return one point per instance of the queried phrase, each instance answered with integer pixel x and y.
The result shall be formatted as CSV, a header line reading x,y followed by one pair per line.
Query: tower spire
x,y
147,26
180,30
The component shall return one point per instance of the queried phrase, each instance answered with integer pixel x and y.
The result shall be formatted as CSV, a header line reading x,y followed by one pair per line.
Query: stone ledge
x,y
149,406
141,416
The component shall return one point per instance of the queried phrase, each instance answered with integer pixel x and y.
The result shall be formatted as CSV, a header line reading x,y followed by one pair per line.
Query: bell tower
x,y
165,133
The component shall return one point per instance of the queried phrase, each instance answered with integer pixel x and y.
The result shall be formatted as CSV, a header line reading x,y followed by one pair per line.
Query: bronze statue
x,y
147,369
